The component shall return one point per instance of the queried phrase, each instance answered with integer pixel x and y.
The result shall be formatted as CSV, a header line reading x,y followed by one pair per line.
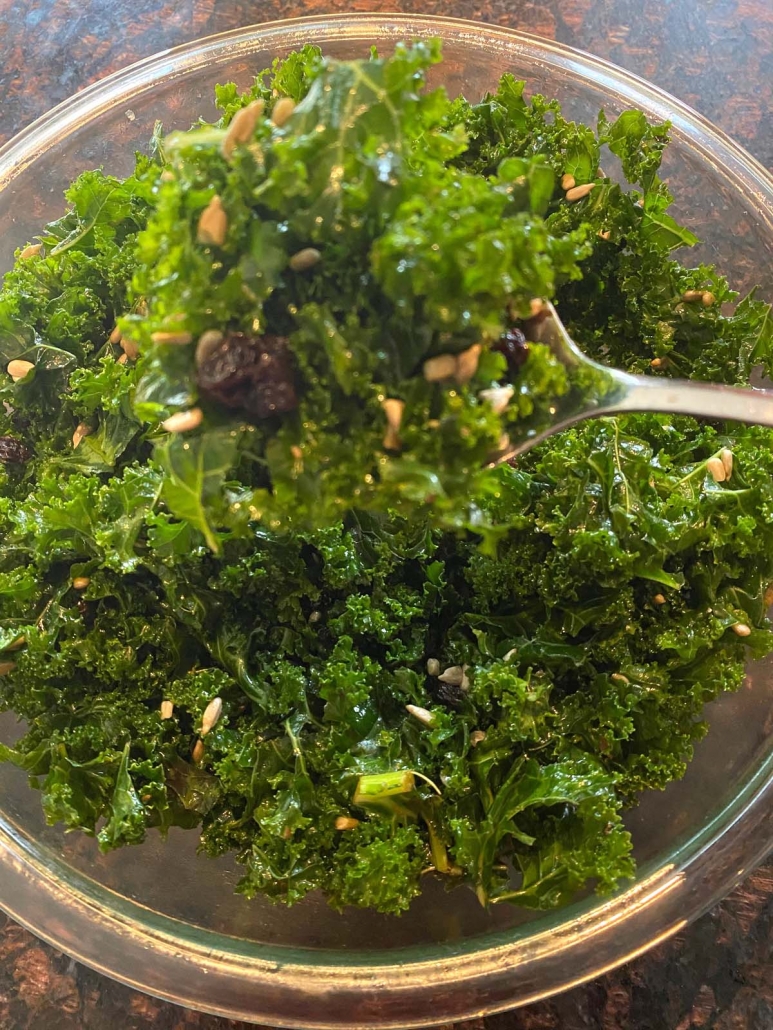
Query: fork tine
x,y
548,328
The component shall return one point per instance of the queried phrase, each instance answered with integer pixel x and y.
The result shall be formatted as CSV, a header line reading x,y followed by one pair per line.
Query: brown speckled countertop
x,y
716,55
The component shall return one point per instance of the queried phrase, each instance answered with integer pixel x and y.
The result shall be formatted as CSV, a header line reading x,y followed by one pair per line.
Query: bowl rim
x,y
420,986
66,116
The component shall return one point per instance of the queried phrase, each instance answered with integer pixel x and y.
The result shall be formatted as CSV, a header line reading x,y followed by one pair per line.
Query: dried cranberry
x,y
252,373
512,343
13,451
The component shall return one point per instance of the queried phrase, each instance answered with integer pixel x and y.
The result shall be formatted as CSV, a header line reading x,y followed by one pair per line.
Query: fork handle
x,y
682,397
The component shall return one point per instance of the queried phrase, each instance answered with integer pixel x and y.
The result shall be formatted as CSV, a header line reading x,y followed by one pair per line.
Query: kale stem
x,y
374,786
296,747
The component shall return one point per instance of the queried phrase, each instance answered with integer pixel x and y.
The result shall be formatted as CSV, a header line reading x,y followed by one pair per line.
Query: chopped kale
x,y
421,663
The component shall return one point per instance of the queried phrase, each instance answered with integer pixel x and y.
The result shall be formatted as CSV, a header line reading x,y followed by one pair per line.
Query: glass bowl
x,y
164,920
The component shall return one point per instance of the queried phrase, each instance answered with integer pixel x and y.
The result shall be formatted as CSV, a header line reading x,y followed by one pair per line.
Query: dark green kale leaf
x,y
126,823
479,842
194,473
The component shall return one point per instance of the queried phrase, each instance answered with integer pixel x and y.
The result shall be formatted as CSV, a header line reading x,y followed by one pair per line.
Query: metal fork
x,y
608,391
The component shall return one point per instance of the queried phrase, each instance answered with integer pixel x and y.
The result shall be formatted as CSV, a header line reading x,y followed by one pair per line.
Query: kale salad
x,y
258,576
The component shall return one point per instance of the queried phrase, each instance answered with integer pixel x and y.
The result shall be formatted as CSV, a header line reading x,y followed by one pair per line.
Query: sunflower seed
x,y
741,629
346,822
213,224
208,344
659,599
467,363
115,336
421,714
303,259
568,181
242,127
476,737
18,369
198,752
453,675
717,469
707,298
726,457
183,421
170,338
690,295
211,715
130,348
166,710
498,397
393,409
439,368
282,112
80,582
433,667
123,359
80,434
618,677
31,251
578,192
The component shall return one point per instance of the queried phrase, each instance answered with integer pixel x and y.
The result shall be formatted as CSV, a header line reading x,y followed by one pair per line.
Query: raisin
x,y
512,343
447,694
251,373
13,451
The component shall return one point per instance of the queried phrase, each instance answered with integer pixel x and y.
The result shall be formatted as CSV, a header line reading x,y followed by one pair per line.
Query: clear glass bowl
x,y
162,919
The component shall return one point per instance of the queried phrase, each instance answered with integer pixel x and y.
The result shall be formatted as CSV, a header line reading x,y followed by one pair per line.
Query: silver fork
x,y
608,391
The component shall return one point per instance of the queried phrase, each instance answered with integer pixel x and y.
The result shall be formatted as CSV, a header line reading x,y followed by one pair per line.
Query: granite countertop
x,y
716,55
